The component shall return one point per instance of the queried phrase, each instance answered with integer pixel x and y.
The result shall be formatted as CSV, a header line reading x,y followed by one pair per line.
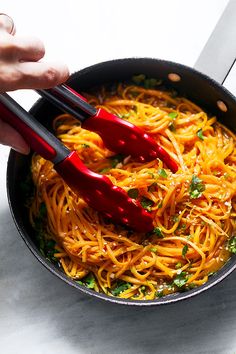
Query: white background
x,y
38,313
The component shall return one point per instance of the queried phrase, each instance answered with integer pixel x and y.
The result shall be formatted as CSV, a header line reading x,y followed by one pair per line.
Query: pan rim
x,y
169,299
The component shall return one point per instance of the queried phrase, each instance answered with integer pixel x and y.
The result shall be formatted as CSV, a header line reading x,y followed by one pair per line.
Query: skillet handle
x,y
219,54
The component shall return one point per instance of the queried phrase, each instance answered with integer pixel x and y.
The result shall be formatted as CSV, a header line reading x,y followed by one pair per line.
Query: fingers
x,y
28,48
32,75
20,67
39,75
10,137
18,49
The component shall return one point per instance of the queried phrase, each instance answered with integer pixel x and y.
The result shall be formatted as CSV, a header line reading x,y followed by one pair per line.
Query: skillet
x,y
198,87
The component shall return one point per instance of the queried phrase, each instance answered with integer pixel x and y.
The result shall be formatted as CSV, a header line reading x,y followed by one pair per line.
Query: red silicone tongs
x,y
118,135
97,190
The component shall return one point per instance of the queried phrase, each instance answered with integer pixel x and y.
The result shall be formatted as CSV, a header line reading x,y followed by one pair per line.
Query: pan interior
x,y
195,86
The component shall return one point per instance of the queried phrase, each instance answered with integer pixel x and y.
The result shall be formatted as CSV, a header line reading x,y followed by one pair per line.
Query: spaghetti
x,y
193,210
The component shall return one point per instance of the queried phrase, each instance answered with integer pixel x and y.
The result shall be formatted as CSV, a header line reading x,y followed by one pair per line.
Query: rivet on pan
x,y
174,77
222,106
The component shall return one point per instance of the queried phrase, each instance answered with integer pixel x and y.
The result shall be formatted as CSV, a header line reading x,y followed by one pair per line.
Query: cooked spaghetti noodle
x,y
193,210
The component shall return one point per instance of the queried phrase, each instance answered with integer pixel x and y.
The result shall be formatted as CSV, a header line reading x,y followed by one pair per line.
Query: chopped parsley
x,y
157,231
49,250
124,116
172,127
173,115
183,226
89,281
42,211
146,203
116,159
153,249
143,289
180,280
85,146
148,83
27,187
175,218
151,83
178,265
162,173
160,204
104,170
196,187
133,193
200,135
211,273
232,244
138,79
160,293
120,287
39,227
184,250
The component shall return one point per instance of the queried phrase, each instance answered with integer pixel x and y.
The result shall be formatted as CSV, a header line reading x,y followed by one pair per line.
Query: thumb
x,y
9,136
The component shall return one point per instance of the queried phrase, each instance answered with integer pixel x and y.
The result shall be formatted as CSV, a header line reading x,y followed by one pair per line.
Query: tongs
x,y
118,135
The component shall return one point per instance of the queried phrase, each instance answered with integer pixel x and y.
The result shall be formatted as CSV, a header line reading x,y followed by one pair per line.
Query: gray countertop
x,y
39,314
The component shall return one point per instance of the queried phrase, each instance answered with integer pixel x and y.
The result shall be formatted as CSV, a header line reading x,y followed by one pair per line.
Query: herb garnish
x,y
184,250
151,83
181,279
232,244
173,115
38,226
120,287
148,83
178,265
160,293
162,173
138,79
143,289
116,159
86,146
124,116
172,127
196,187
89,281
105,169
157,231
27,187
49,250
175,218
133,193
146,203
200,135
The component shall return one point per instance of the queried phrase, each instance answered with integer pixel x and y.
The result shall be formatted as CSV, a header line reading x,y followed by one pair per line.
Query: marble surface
x,y
39,314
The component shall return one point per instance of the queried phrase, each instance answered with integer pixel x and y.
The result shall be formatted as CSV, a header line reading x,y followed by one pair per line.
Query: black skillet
x,y
198,87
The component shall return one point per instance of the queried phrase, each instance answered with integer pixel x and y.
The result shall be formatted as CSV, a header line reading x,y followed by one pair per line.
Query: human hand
x,y
20,68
